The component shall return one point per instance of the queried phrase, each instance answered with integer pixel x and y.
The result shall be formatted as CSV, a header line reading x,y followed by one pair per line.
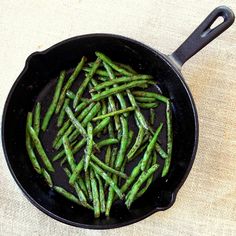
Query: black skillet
x,y
35,81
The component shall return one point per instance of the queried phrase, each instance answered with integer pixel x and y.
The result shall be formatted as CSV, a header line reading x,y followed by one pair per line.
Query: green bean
x,y
68,132
138,152
107,168
137,121
103,124
137,143
85,82
145,99
110,197
107,179
101,194
85,121
123,143
40,149
149,181
89,147
85,112
149,162
126,67
152,116
62,153
79,191
61,133
62,112
29,148
119,96
104,107
103,112
117,112
150,147
75,122
159,149
117,89
70,95
76,172
96,202
142,178
81,106
148,105
91,114
112,106
47,178
103,79
111,130
88,184
120,80
108,155
131,134
63,161
90,64
122,169
111,64
82,185
138,114
107,142
67,195
98,72
94,83
118,162
113,157
37,118
135,172
69,83
99,114
54,103
150,95
82,142
69,154
169,139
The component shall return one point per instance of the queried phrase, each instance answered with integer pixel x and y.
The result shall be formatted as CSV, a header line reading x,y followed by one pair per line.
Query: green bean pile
x,y
117,92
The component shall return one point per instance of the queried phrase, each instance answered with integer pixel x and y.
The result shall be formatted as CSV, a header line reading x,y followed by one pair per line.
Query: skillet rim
x,y
169,62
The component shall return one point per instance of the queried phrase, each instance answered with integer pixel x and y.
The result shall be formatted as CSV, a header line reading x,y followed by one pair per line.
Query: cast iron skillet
x,y
35,81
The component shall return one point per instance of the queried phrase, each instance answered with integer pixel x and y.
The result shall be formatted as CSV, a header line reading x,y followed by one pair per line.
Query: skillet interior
x,y
33,84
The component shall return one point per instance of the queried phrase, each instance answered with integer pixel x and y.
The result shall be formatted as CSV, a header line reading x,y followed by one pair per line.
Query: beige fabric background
x,y
206,204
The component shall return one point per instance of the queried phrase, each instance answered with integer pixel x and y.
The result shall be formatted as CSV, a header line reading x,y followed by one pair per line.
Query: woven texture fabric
x,y
206,204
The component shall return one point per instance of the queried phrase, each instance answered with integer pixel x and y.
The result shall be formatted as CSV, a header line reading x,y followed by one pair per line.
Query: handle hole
x,y
217,22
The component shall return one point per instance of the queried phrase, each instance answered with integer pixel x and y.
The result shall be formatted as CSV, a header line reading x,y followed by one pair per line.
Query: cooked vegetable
x,y
62,112
54,103
29,147
69,83
150,147
142,178
120,81
117,89
169,140
96,200
114,113
104,129
47,178
89,147
85,82
37,118
40,149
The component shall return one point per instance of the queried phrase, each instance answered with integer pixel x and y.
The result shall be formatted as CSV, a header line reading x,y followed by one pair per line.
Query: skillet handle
x,y
203,35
